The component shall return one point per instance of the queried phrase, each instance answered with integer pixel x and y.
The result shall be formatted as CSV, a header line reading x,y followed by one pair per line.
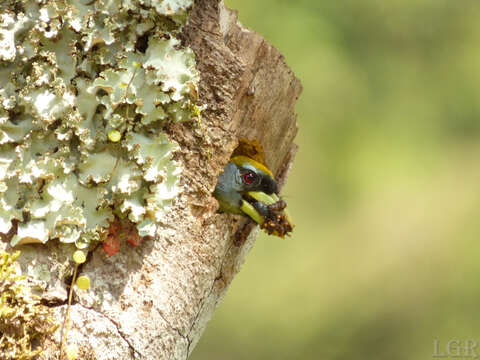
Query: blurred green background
x,y
385,190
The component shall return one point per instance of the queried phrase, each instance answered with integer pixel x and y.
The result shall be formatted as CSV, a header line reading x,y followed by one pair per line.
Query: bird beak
x,y
248,209
268,211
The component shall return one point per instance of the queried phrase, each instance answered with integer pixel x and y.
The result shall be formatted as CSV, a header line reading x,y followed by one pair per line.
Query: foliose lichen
x,y
86,87
23,319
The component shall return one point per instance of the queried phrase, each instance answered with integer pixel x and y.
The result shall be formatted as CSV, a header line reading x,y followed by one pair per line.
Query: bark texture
x,y
154,301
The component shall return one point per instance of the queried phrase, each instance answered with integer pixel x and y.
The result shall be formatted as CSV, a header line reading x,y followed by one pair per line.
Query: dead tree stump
x,y
154,301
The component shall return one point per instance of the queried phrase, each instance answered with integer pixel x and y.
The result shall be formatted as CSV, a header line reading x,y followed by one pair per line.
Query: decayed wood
x,y
153,301
250,91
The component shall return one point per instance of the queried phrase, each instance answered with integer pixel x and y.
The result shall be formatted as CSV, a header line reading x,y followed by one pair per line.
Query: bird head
x,y
249,188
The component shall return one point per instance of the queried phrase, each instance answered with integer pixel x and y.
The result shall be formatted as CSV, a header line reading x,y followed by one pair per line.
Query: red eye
x,y
249,177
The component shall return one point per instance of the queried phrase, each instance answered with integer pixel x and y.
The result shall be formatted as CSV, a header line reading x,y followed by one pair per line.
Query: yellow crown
x,y
241,160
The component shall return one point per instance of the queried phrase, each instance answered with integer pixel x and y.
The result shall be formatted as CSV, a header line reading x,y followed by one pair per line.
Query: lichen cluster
x,y
23,318
85,89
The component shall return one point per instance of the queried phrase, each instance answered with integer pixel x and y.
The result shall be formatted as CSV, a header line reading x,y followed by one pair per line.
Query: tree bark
x,y
154,301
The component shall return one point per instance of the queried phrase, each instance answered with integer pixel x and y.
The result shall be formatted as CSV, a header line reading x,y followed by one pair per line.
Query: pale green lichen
x,y
71,73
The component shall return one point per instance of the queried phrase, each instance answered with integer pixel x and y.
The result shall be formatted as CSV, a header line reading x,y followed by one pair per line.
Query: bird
x,y
247,187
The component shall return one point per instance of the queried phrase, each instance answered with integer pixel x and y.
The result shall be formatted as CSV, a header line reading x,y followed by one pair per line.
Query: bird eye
x,y
249,177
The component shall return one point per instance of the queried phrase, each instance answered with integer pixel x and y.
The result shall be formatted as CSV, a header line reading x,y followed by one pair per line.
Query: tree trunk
x,y
154,301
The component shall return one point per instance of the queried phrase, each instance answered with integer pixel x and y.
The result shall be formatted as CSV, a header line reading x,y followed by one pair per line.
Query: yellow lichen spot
x,y
79,257
114,135
196,111
83,282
